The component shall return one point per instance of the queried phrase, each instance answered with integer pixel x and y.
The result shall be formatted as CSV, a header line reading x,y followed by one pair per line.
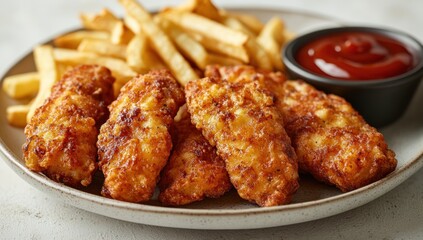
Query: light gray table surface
x,y
26,213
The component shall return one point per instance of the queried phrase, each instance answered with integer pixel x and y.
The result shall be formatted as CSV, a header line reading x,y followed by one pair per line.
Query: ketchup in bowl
x,y
377,70
356,56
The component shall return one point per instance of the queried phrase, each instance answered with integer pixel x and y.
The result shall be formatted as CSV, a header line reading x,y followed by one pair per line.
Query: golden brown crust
x,y
331,139
194,170
134,144
244,124
62,134
333,142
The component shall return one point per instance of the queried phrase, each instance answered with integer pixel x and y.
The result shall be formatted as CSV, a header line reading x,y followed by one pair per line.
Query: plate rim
x,y
405,171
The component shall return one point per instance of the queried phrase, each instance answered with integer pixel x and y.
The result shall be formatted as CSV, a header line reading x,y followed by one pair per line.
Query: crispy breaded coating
x,y
194,170
134,144
241,120
61,136
332,141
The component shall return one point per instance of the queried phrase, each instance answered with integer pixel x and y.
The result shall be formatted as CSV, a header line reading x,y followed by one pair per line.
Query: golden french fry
x,y
238,52
189,47
17,114
237,25
134,53
22,85
258,56
132,24
252,22
274,28
271,39
222,60
46,67
72,40
102,47
161,43
201,7
120,69
208,28
140,56
105,20
120,34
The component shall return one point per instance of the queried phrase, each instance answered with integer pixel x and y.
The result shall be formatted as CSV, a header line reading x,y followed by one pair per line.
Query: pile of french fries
x,y
184,39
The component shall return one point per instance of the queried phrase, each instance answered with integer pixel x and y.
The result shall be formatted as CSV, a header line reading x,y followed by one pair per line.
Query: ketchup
x,y
356,56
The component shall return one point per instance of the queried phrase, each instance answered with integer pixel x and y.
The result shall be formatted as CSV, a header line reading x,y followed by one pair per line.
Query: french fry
x,y
132,24
46,67
204,8
238,52
17,115
120,69
161,43
120,34
274,28
271,39
140,56
259,56
252,22
105,20
102,47
22,85
72,40
221,60
208,28
237,25
192,49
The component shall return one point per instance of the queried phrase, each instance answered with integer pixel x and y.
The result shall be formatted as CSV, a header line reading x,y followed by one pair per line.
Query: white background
x,y
26,213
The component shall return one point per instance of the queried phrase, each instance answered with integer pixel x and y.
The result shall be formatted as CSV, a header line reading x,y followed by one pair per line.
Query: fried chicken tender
x,y
332,141
194,170
61,136
241,120
134,144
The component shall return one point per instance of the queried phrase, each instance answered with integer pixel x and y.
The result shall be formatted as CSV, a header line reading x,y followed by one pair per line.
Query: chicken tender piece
x,y
194,170
332,141
241,120
61,136
134,144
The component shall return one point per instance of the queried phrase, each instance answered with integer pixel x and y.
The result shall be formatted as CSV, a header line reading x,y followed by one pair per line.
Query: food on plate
x,y
143,41
103,47
271,38
61,136
73,39
332,141
194,170
16,115
188,46
250,127
46,67
160,42
22,85
242,121
208,28
120,69
134,144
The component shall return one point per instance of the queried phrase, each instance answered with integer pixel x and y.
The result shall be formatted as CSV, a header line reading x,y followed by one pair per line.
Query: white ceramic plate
x,y
313,200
